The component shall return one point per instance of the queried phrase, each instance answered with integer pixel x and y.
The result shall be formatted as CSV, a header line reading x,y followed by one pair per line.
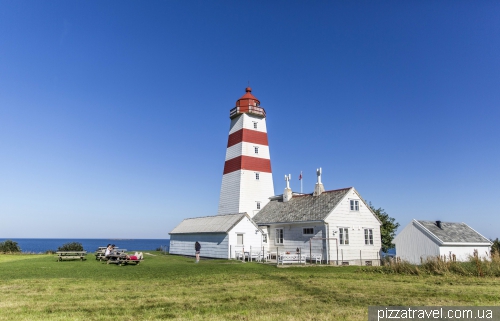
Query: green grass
x,y
36,287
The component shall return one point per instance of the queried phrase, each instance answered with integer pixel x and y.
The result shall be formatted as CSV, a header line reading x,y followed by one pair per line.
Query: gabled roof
x,y
209,224
302,207
452,232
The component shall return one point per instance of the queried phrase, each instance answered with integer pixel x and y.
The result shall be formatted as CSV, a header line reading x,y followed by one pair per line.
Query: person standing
x,y
197,248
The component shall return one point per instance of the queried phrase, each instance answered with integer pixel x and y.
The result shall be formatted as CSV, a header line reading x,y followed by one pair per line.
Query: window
x,y
239,239
343,236
258,205
264,238
354,205
308,231
368,236
257,176
256,149
279,236
255,124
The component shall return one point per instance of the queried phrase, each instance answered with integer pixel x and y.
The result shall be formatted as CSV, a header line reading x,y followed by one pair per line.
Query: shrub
x,y
9,246
73,246
442,265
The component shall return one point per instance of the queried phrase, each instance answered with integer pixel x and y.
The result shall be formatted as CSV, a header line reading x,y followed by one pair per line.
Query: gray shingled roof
x,y
454,232
300,208
208,224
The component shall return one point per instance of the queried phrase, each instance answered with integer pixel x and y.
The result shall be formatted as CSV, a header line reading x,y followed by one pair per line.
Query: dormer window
x,y
354,205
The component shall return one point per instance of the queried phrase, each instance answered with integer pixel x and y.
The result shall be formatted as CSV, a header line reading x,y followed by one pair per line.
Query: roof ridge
x,y
192,218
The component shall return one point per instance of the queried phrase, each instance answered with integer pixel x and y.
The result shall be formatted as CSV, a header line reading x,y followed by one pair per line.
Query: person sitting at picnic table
x,y
109,249
137,256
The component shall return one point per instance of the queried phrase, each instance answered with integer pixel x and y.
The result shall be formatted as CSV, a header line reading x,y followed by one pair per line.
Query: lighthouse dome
x,y
247,104
247,99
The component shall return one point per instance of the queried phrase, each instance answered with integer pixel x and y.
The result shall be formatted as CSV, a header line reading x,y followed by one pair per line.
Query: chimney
x,y
287,194
318,188
438,223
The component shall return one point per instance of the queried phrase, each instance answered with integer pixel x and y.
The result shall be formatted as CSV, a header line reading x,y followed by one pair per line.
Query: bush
x,y
9,246
442,265
73,246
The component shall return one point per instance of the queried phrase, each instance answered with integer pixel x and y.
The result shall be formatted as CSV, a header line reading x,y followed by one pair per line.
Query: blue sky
x,y
114,115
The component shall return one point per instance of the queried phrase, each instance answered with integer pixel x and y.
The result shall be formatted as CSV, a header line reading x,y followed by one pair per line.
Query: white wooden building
x,y
220,236
343,228
420,240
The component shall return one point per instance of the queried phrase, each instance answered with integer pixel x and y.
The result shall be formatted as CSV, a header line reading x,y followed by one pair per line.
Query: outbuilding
x,y
421,240
220,236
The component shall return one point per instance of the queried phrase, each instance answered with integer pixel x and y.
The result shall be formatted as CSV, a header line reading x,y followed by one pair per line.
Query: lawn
x,y
36,287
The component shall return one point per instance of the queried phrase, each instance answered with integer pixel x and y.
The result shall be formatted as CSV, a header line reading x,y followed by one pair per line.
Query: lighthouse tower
x,y
247,182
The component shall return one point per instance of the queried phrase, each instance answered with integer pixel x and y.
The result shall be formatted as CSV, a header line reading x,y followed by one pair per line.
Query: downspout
x,y
327,243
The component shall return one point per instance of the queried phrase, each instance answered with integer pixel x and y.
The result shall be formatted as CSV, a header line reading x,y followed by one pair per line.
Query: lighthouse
x,y
247,180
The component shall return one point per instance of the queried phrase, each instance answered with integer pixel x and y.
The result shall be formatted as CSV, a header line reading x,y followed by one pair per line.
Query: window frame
x,y
354,205
307,228
279,236
343,237
368,232
242,238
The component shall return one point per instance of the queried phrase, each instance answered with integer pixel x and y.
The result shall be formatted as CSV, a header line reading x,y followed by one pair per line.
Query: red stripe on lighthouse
x,y
248,163
247,135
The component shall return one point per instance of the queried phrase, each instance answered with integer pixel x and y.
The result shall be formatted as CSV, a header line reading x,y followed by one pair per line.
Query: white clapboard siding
x,y
416,244
216,244
294,238
356,252
413,245
252,237
212,245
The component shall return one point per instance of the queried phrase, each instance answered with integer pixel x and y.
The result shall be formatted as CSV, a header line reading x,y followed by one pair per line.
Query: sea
x,y
90,245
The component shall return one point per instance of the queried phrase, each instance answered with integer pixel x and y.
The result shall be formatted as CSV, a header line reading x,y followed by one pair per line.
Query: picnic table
x,y
101,251
121,259
71,255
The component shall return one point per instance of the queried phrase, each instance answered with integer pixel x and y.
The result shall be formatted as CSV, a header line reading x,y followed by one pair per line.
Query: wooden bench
x,y
291,258
71,255
100,255
315,257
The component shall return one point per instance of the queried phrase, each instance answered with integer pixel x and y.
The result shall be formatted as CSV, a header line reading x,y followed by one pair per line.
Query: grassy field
x,y
36,287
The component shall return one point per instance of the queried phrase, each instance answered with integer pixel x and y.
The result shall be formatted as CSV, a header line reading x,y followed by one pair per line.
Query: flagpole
x,y
301,182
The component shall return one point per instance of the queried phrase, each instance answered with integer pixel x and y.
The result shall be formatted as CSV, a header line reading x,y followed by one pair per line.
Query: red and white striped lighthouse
x,y
247,182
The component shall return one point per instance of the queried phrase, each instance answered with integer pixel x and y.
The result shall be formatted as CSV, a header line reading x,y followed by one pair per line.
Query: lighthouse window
x,y
255,124
258,205
256,150
257,176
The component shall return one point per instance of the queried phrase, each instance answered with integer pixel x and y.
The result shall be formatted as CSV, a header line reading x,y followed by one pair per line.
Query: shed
x,y
220,236
420,240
